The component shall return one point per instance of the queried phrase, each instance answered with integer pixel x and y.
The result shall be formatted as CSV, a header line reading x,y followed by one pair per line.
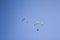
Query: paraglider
x,y
38,24
24,20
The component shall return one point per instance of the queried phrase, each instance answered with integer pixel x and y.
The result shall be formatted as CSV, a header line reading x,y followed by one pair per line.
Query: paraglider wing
x,y
23,19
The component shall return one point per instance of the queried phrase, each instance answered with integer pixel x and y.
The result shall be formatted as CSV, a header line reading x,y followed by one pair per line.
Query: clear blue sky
x,y
12,11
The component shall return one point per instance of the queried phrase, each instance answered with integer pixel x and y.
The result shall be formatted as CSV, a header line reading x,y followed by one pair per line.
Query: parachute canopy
x,y
38,23
24,20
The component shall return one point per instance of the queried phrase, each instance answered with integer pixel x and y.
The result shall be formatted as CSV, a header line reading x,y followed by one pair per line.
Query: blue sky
x,y
12,12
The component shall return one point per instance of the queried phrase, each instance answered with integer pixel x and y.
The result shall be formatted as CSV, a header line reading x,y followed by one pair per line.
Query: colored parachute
x,y
24,20
38,24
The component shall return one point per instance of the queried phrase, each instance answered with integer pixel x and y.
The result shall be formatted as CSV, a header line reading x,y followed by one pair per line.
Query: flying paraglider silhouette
x,y
38,24
24,20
